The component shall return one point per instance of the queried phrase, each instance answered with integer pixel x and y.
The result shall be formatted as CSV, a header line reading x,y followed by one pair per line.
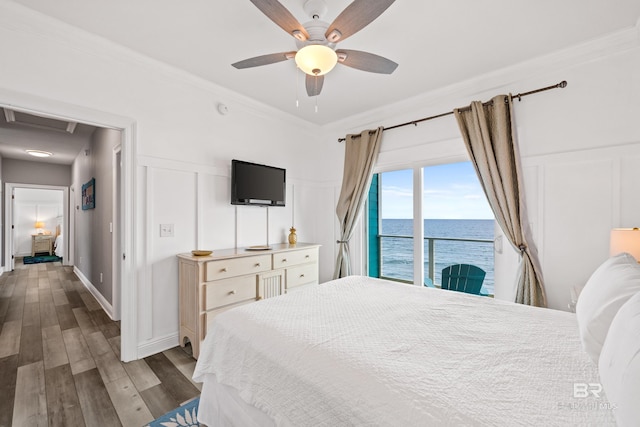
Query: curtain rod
x,y
562,84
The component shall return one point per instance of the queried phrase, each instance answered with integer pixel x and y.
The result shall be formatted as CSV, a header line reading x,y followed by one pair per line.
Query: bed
x,y
59,242
363,351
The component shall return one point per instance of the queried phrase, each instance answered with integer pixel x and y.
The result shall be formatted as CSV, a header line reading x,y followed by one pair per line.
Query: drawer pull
x,y
258,264
233,292
302,275
223,270
284,260
306,256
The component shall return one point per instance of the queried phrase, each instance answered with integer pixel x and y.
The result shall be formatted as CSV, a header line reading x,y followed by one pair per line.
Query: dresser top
x,y
248,251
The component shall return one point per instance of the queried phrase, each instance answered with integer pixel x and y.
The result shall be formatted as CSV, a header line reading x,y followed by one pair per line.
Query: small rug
x,y
182,416
40,258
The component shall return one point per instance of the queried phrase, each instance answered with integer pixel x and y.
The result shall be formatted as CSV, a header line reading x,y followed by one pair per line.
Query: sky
x,y
451,191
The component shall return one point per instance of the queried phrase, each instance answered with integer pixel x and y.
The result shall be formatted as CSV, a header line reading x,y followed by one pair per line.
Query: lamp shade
x,y
316,59
39,224
625,240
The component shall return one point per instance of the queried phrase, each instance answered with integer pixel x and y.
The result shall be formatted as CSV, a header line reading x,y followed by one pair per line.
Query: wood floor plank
x,y
30,402
109,367
53,349
30,345
90,301
48,316
43,282
159,400
4,308
16,306
176,383
141,374
6,291
8,373
98,344
97,408
74,298
10,338
63,405
31,314
128,403
66,319
84,321
78,351
59,297
31,295
184,362
115,342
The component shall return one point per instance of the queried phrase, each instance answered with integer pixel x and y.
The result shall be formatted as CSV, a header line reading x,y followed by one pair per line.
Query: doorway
x,y
124,262
36,210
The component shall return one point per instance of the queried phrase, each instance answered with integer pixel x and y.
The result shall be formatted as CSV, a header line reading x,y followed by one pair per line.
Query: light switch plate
x,y
166,230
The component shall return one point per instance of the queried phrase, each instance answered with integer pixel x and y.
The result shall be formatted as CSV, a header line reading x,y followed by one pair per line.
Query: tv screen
x,y
254,184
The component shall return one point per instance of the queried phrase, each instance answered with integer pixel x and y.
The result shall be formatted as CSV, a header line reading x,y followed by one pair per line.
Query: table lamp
x,y
625,240
39,226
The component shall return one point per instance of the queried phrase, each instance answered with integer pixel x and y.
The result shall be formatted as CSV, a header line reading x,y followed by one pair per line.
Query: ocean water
x,y
397,254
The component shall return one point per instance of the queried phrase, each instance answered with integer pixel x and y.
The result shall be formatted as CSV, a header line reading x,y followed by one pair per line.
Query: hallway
x,y
60,358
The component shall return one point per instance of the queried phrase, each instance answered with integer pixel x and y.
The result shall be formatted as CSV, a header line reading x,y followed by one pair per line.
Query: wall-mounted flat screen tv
x,y
254,184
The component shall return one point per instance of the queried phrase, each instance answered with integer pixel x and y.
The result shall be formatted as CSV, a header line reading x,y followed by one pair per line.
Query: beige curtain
x,y
488,132
361,152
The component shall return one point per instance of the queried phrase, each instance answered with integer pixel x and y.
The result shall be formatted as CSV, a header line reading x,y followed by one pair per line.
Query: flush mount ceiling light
x,y
316,40
39,153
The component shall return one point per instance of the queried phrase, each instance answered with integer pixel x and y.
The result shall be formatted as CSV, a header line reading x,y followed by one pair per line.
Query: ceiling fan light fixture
x,y
39,153
299,35
334,36
316,59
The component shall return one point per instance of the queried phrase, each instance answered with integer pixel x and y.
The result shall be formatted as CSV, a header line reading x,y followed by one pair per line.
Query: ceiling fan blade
x,y
271,58
314,84
366,61
355,17
282,17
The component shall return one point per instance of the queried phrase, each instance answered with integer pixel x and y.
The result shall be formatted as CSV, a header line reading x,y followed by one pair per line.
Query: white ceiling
x,y
436,43
44,134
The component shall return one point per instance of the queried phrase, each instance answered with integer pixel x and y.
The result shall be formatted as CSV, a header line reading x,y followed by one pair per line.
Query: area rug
x,y
40,258
182,416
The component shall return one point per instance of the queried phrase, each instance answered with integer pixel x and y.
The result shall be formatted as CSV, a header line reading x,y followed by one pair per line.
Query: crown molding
x,y
616,43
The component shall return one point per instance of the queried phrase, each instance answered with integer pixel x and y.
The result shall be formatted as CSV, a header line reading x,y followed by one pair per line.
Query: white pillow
x,y
608,288
620,363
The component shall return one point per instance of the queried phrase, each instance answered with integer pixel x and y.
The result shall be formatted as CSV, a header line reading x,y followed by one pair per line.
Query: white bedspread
x,y
361,351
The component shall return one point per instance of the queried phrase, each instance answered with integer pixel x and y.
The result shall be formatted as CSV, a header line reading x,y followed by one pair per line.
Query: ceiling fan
x,y
316,40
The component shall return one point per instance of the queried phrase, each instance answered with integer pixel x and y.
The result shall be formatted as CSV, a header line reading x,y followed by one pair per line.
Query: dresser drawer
x,y
286,259
225,268
301,275
229,291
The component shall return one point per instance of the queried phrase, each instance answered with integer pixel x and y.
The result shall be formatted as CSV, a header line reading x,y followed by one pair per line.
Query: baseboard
x,y
106,306
158,345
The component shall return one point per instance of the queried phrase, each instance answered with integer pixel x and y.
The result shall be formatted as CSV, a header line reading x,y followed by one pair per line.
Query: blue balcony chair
x,y
463,278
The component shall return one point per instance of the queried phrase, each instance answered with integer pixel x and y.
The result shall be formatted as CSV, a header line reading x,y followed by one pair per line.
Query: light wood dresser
x,y
212,284
41,243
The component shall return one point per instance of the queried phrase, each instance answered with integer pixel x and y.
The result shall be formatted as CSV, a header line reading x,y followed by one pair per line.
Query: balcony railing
x,y
431,253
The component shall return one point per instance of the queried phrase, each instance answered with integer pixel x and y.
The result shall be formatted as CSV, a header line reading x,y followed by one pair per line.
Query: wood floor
x,y
60,358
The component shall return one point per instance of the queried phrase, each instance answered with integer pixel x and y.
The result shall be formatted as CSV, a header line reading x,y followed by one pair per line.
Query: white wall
x,y
580,151
184,150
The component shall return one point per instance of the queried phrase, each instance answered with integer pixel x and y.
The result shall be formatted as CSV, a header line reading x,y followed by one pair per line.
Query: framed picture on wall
x,y
89,195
